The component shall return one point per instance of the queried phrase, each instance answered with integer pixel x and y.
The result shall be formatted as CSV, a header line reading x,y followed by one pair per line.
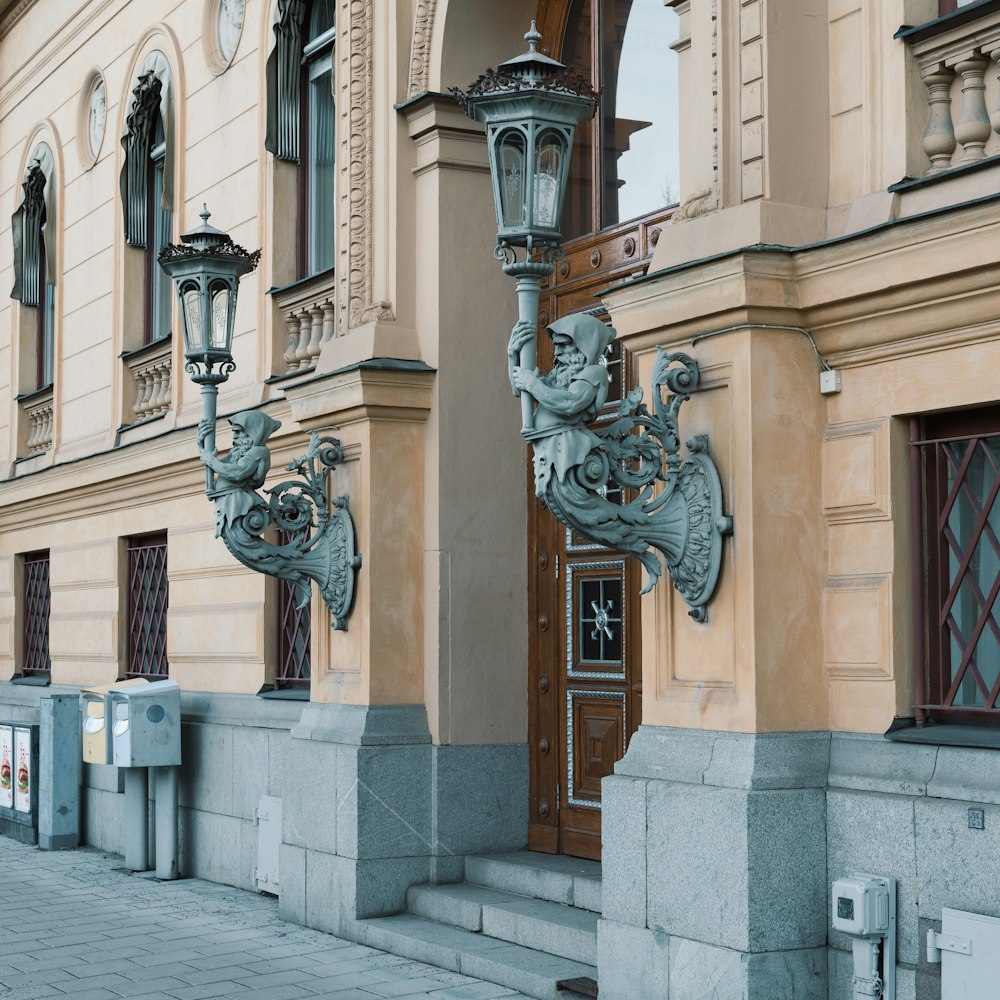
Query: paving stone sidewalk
x,y
73,923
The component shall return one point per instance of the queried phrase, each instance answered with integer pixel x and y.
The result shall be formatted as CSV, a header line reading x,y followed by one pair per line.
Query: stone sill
x,y
943,735
960,170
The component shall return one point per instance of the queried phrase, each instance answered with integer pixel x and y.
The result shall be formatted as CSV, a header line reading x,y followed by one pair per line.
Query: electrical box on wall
x,y
864,906
967,949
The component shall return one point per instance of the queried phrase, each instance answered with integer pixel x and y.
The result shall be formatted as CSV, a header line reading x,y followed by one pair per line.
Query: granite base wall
x,y
721,849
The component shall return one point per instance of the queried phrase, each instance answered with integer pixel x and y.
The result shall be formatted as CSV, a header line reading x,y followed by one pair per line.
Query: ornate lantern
x,y
206,270
530,106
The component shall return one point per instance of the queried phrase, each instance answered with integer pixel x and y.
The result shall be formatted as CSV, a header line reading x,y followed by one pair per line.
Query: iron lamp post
x,y
206,269
531,106
317,539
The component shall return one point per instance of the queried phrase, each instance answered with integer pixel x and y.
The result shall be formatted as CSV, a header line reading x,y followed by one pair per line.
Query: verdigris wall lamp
x,y
531,106
315,537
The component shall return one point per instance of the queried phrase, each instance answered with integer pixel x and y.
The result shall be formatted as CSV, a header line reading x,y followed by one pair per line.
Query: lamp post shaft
x,y
209,399
529,276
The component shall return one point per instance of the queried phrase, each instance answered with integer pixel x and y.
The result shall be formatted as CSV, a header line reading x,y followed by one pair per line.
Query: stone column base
x,y
714,874
371,808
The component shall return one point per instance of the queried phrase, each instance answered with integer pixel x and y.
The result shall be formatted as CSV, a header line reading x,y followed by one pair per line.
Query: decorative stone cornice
x,y
381,389
13,13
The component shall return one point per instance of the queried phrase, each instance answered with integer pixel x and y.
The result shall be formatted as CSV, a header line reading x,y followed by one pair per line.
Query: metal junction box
x,y
96,705
967,949
19,781
146,725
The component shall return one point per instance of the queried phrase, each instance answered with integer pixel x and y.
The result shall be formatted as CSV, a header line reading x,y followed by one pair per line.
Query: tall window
x,y
33,228
147,607
625,161
302,121
959,461
37,606
158,225
147,190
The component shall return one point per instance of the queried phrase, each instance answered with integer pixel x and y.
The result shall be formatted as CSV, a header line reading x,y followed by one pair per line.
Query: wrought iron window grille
x,y
37,609
958,629
147,607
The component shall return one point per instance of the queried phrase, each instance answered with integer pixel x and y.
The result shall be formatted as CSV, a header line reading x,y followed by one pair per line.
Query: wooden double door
x,y
585,685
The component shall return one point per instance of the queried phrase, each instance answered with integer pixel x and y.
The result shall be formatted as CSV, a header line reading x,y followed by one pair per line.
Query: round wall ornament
x,y
224,28
93,118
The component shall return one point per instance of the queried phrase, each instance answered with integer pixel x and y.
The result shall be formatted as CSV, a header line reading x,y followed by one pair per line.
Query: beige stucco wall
x,y
796,118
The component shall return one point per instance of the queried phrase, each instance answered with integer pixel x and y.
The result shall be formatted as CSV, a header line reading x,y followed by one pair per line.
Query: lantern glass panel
x,y
220,316
510,156
193,328
550,153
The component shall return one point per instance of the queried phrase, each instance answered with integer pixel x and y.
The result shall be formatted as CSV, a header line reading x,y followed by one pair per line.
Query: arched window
x,y
626,161
301,121
33,227
147,190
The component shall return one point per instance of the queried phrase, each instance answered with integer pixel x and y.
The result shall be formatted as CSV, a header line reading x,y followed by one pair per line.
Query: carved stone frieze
x,y
357,199
420,49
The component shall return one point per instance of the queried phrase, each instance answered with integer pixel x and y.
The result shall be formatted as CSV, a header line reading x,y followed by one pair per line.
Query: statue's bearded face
x,y
241,442
569,362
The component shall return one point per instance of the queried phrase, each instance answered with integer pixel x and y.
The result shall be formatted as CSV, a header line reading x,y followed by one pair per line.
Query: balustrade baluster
x,y
293,324
305,334
973,126
316,335
939,138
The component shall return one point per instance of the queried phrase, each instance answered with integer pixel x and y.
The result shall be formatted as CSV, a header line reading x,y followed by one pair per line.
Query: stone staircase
x,y
526,921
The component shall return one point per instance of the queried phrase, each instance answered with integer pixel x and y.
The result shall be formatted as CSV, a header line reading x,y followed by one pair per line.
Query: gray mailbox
x,y
146,725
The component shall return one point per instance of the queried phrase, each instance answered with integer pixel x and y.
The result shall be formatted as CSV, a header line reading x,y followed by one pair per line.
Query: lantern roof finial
x,y
533,36
205,235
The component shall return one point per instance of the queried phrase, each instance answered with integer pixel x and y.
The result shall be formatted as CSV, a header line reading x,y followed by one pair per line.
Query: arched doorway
x,y
584,672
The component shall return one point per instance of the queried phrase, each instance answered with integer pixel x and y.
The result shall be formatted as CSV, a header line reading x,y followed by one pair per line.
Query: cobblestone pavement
x,y
73,923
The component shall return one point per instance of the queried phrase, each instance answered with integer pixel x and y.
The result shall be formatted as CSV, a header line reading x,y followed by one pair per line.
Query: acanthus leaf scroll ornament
x,y
684,523
320,537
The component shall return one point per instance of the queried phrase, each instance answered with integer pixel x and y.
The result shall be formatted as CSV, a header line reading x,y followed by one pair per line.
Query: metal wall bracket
x,y
318,536
936,943
685,522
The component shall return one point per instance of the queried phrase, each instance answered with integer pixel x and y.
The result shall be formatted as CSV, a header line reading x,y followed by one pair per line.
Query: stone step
x,y
531,972
550,927
459,904
555,877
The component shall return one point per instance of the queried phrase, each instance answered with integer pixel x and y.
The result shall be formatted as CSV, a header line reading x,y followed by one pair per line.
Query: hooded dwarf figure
x,y
243,470
569,397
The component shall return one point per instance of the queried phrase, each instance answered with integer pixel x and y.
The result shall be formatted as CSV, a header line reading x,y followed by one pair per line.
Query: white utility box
x,y
146,725
967,948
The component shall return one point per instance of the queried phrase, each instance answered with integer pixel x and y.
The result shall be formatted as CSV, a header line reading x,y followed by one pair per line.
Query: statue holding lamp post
x,y
318,536
530,106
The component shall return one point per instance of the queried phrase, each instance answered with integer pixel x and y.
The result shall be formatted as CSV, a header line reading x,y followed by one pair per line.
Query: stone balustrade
x,y
309,311
150,368
959,67
38,411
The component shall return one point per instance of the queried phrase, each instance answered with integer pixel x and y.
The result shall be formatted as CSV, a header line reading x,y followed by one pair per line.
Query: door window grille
x,y
960,458
294,635
37,607
147,607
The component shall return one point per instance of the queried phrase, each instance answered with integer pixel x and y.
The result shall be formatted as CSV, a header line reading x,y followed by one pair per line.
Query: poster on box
x,y
6,767
22,772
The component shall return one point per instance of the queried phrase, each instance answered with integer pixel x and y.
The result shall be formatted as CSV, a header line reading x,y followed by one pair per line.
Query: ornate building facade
x,y
801,195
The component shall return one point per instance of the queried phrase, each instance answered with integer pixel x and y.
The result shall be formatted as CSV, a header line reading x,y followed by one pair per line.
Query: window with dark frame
x,y
294,636
147,607
37,607
302,122
956,480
